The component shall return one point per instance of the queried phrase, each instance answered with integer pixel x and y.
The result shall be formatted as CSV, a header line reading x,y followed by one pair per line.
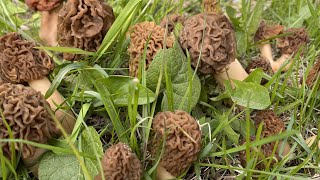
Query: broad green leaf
x,y
255,76
242,44
177,70
250,94
297,21
118,86
55,167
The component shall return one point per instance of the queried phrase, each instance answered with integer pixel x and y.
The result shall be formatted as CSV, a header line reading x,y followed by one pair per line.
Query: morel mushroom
x,y
210,37
272,125
264,33
83,24
119,162
139,37
24,110
290,44
172,20
49,18
264,153
21,63
182,143
260,62
313,74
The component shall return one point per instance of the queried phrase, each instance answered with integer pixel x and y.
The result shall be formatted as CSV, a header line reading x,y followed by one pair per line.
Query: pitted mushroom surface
x,y
263,63
120,163
20,62
139,37
217,49
182,143
290,44
272,124
83,24
172,20
313,74
43,5
24,109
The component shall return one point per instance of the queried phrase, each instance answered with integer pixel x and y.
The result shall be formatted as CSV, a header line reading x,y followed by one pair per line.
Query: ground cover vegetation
x,y
153,89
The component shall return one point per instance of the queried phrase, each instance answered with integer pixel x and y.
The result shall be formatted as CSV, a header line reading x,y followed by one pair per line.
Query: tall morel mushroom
x,y
20,62
49,18
289,45
313,74
119,162
182,142
139,37
272,125
264,33
83,24
210,39
24,110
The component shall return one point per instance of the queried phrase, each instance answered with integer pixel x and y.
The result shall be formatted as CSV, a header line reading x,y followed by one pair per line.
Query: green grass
x,y
298,105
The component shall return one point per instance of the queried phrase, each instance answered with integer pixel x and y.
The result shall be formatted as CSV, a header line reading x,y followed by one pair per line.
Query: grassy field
x,y
111,107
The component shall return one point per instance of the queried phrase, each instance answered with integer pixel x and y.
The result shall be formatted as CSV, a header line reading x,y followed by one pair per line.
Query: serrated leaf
x,y
250,94
119,89
178,72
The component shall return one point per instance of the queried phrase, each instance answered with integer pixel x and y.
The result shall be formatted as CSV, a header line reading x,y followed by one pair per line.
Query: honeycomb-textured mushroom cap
x,y
24,109
172,20
313,74
272,124
260,62
183,140
210,5
83,24
43,5
20,62
297,38
267,31
139,37
217,49
119,162
265,150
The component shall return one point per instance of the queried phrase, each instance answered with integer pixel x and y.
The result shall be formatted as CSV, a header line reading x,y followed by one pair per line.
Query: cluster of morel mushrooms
x,y
209,38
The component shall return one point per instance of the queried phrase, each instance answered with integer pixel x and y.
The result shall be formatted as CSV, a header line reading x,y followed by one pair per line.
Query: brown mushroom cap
x,y
313,74
139,37
83,24
260,62
265,150
272,124
267,31
219,43
172,20
24,109
119,162
183,140
43,5
297,38
20,62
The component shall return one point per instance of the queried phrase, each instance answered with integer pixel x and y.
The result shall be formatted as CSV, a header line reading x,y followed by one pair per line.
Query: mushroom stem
x,y
266,51
163,174
234,71
286,148
278,63
66,118
49,26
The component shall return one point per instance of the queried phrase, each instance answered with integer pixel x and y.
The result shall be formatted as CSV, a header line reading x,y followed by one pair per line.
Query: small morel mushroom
x,y
264,33
119,162
182,143
172,20
210,37
264,153
24,110
313,74
49,18
290,44
83,24
21,63
260,62
272,125
139,37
